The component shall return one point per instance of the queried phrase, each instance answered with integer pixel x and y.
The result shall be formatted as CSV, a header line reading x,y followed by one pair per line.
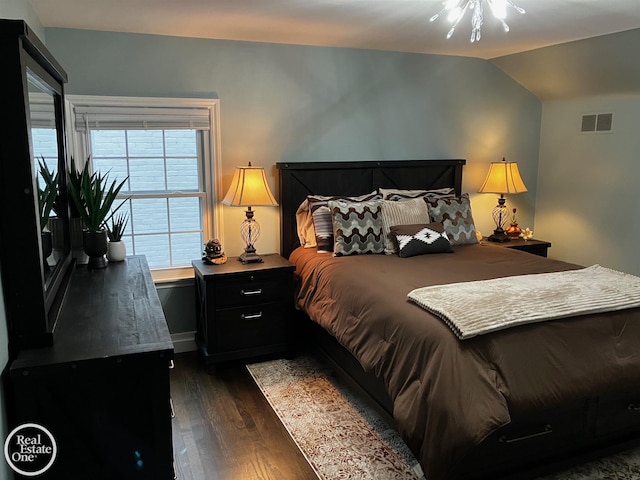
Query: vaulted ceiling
x,y
398,25
394,25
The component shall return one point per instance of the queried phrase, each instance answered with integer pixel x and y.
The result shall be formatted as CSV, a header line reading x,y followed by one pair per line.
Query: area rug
x,y
340,436
343,438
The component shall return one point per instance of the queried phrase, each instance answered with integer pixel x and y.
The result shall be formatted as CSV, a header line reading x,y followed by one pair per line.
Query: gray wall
x,y
587,183
299,103
586,204
179,305
21,10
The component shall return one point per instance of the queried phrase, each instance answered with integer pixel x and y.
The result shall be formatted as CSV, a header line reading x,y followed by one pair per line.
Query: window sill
x,y
172,275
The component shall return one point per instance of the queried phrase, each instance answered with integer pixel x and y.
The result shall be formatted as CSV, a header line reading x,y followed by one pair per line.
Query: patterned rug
x,y
343,438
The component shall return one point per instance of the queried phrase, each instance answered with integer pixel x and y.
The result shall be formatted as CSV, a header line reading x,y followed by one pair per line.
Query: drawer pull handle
x,y
248,293
251,316
505,439
634,407
173,413
171,364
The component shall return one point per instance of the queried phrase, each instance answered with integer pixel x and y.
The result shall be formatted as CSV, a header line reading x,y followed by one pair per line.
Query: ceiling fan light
x,y
499,8
516,7
456,9
455,15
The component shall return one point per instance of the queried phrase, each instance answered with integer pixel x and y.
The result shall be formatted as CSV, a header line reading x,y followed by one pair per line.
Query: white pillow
x,y
409,212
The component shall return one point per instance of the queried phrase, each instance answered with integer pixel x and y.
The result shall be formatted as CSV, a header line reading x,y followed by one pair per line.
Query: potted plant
x,y
46,200
75,222
116,248
93,196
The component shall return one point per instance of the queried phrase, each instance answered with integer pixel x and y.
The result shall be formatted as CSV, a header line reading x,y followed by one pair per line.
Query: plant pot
x,y
95,246
116,251
76,228
47,248
56,227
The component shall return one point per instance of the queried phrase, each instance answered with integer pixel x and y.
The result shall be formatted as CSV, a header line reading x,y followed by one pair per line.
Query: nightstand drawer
x,y
253,289
252,326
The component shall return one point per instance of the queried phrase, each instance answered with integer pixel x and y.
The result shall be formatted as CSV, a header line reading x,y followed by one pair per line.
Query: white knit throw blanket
x,y
476,308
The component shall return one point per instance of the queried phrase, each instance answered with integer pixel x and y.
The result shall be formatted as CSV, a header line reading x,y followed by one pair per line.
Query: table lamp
x,y
503,177
249,188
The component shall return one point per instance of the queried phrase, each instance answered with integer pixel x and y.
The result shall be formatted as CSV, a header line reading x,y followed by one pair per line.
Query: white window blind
x,y
104,117
41,110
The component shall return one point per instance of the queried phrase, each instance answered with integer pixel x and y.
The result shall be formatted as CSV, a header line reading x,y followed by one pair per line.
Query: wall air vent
x,y
597,122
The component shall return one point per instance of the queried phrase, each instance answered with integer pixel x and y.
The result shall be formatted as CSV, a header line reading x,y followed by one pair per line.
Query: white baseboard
x,y
184,342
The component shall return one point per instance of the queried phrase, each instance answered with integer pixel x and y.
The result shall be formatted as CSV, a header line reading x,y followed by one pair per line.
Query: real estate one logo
x,y
30,449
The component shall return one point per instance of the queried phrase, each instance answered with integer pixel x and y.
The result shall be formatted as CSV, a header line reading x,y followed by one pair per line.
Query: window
x,y
167,150
44,142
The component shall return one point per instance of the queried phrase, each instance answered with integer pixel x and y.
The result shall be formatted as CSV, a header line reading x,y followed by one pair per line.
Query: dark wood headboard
x,y
297,180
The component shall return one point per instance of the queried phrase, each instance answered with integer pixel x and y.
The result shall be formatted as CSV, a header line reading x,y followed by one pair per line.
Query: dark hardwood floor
x,y
224,429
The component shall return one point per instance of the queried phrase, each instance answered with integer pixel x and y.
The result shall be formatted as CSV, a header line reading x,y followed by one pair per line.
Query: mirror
x,y
47,153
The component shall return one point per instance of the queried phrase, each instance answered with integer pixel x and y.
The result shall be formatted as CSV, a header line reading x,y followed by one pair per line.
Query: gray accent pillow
x,y
321,216
357,227
455,215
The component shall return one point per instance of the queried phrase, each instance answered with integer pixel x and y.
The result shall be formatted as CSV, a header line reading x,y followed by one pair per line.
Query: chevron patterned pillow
x,y
455,215
357,227
321,216
421,239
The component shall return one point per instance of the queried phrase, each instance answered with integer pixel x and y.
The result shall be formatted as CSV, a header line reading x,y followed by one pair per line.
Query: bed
x,y
513,403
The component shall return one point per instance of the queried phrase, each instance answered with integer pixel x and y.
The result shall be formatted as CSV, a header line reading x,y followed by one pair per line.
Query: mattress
x,y
449,394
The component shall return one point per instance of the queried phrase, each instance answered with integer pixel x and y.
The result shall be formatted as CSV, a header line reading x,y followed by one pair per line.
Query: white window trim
x,y
212,223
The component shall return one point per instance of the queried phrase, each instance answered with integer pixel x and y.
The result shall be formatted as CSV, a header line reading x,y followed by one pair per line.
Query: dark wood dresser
x,y
243,310
102,389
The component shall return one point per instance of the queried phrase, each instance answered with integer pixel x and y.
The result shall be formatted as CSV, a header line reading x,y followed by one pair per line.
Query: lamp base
x,y
250,257
498,235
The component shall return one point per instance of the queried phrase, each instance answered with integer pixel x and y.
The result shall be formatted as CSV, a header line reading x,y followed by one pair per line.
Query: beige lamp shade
x,y
503,177
249,188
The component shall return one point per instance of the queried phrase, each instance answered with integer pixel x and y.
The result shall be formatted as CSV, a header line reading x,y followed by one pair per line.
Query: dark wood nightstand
x,y
243,310
536,247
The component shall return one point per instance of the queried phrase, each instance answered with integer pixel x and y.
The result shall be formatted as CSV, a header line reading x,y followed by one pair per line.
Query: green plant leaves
x,y
94,197
48,195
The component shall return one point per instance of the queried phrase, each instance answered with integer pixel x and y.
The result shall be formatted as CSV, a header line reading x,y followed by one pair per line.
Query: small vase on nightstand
x,y
513,230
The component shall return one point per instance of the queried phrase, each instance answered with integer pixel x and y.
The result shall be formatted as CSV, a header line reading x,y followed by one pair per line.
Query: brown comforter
x,y
449,394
